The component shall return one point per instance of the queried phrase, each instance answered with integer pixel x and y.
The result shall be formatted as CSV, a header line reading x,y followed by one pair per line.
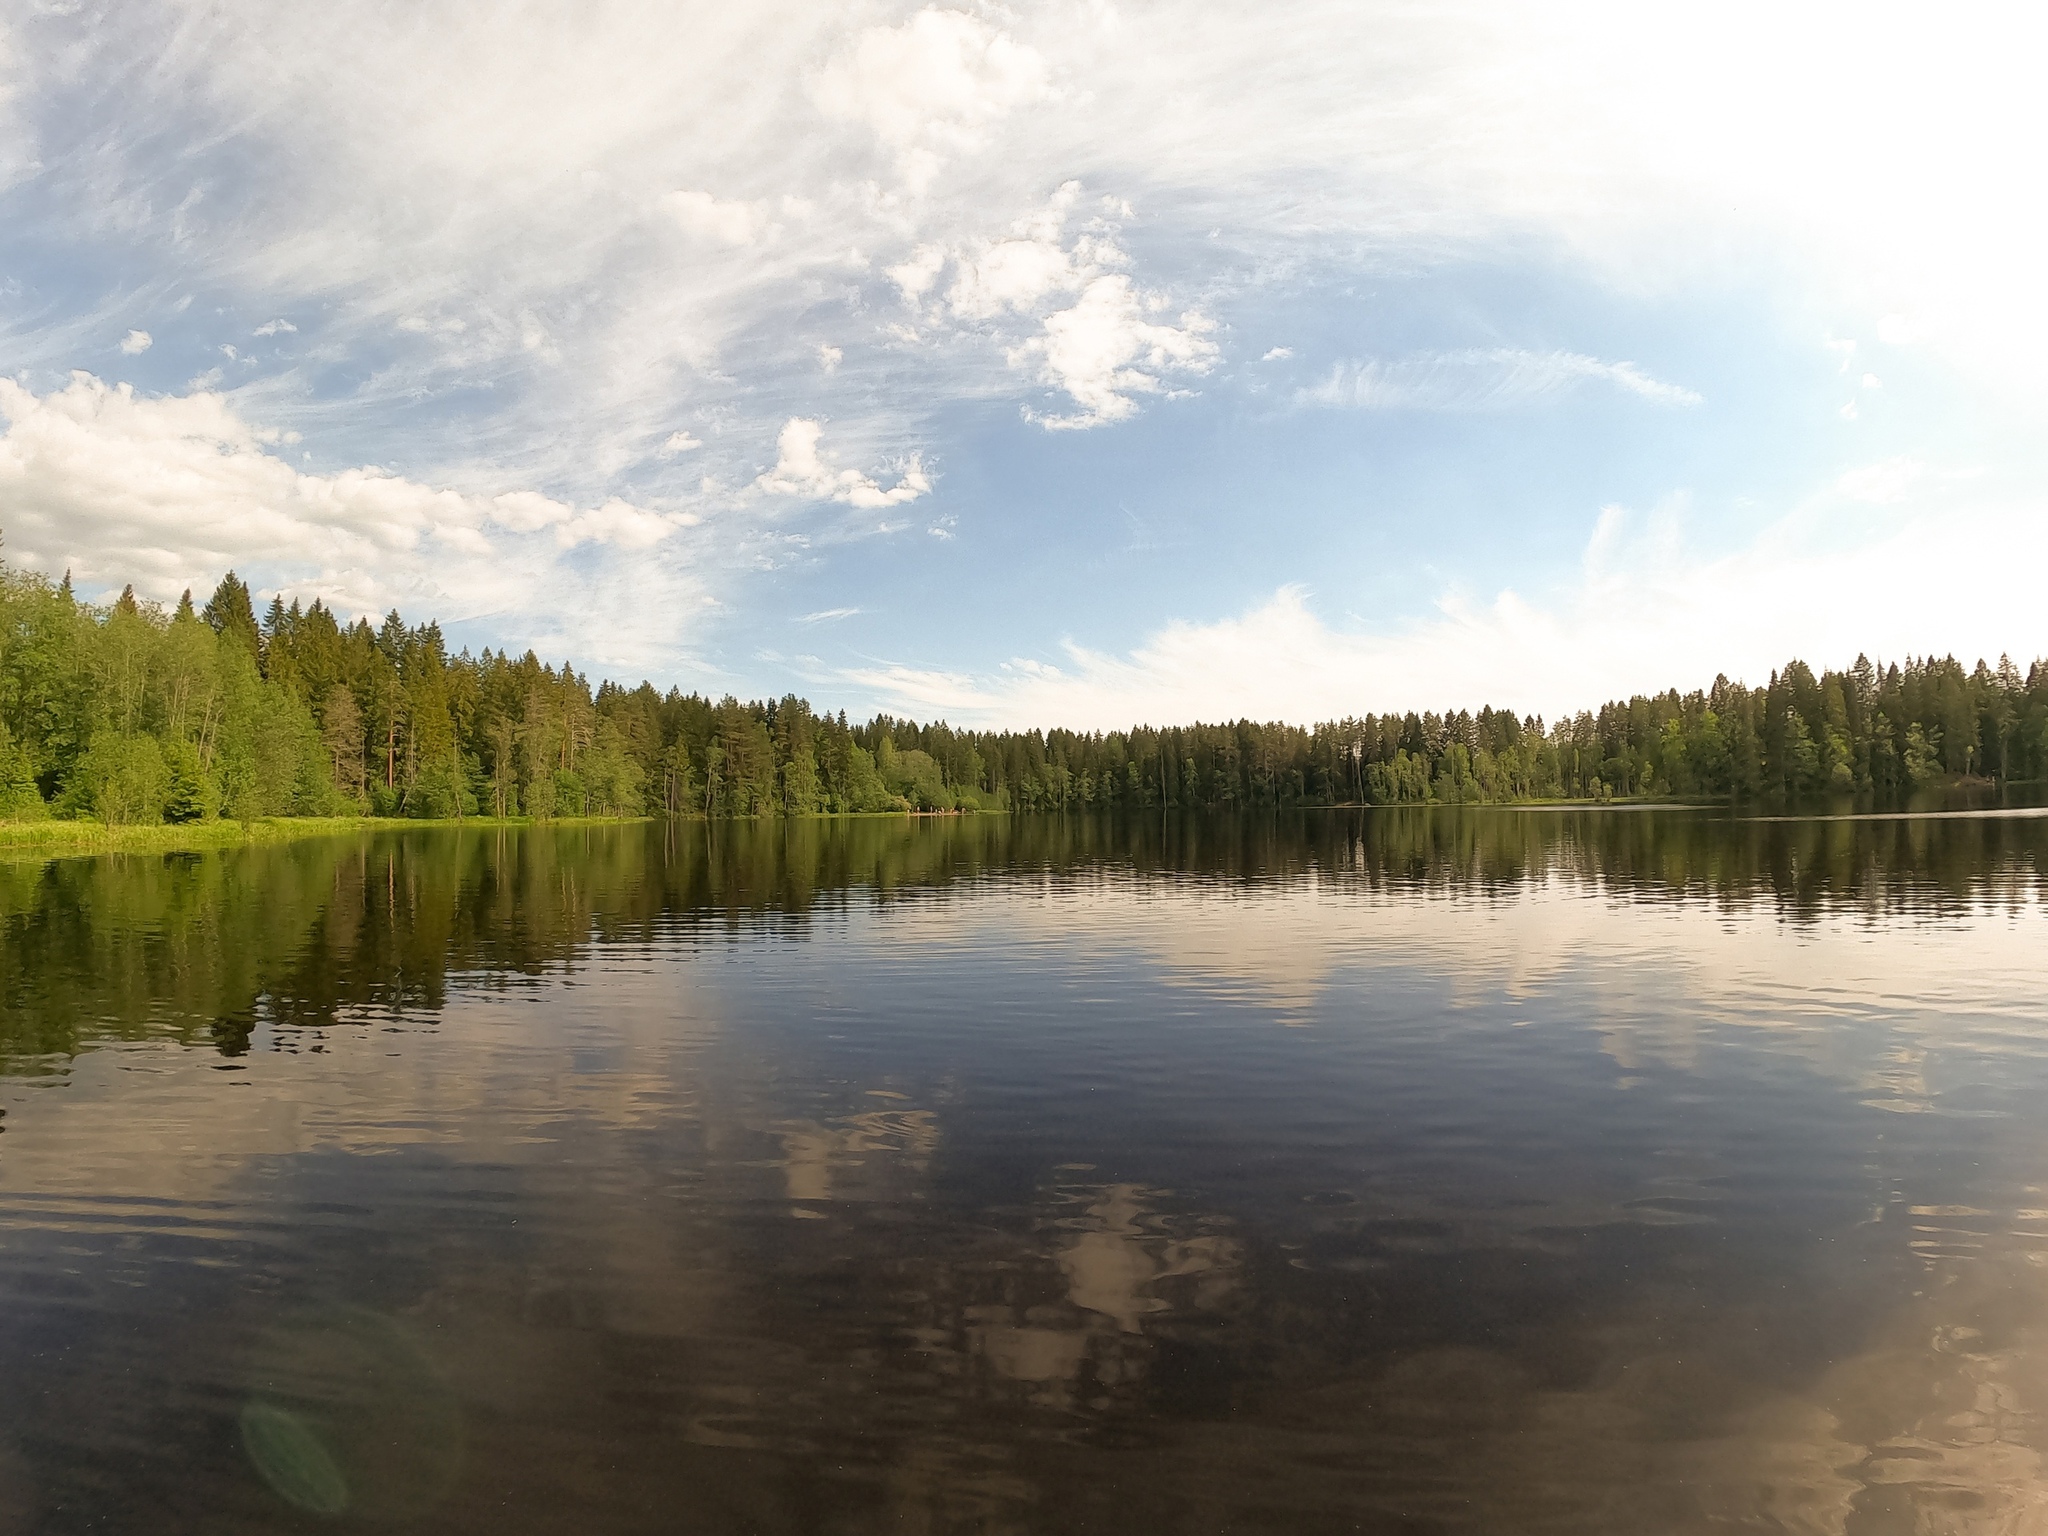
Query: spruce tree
x,y
231,613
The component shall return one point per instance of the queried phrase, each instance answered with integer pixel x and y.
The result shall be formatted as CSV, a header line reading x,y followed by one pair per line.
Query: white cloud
x,y
830,357
17,142
1883,484
170,492
679,442
136,342
1098,337
1480,379
928,692
914,277
275,327
1010,275
621,523
1103,350
827,615
1862,171
526,180
930,87
800,471
701,214
1645,613
1277,354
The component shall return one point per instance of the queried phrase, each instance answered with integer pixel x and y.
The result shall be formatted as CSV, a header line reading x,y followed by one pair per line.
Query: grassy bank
x,y
49,839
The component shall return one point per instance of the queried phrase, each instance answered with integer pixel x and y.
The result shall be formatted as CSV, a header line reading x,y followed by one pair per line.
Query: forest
x,y
127,713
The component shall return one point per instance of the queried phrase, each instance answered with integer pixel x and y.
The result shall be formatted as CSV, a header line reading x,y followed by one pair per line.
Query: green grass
x,y
33,841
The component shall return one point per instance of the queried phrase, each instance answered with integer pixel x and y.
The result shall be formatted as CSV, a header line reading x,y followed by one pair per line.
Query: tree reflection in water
x,y
1403,1170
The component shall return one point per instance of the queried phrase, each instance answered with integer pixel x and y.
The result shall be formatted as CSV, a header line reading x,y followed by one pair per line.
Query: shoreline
x,y
32,841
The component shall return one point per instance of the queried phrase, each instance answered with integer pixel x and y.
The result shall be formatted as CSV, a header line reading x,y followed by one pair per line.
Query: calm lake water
x,y
1398,1171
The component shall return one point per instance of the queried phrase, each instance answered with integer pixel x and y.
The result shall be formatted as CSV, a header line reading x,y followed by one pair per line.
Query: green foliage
x,y
131,713
569,798
612,781
121,779
190,793
914,776
232,614
439,793
19,797
1922,757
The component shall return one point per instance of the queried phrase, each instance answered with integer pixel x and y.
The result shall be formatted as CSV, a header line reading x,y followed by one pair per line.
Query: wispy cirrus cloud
x,y
929,691
612,257
1481,379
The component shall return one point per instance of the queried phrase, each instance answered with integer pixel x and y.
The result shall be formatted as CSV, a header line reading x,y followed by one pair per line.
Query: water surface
x,y
1397,1171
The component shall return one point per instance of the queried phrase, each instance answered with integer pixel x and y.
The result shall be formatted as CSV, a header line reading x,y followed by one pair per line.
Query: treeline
x,y
130,713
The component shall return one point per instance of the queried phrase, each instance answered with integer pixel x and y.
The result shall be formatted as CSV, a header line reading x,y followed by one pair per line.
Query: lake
x,y
1392,1171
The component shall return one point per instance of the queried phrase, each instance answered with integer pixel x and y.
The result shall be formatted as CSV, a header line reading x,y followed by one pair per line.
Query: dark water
x,y
1389,1172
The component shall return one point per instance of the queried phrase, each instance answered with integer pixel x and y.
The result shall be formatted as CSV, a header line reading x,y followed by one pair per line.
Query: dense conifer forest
x,y
130,714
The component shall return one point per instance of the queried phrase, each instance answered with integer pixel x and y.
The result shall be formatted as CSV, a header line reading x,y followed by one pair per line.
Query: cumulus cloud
x,y
1107,347
801,471
168,492
275,327
136,343
931,86
1481,379
1098,337
492,258
1012,276
618,522
526,181
1646,612
915,276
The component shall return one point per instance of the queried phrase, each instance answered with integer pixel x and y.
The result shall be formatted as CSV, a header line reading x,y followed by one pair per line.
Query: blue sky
x,y
1084,363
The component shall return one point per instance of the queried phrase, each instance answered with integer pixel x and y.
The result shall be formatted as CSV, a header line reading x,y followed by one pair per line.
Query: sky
x,y
1080,363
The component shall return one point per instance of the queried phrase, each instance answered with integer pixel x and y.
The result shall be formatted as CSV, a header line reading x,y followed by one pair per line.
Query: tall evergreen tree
x,y
233,615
